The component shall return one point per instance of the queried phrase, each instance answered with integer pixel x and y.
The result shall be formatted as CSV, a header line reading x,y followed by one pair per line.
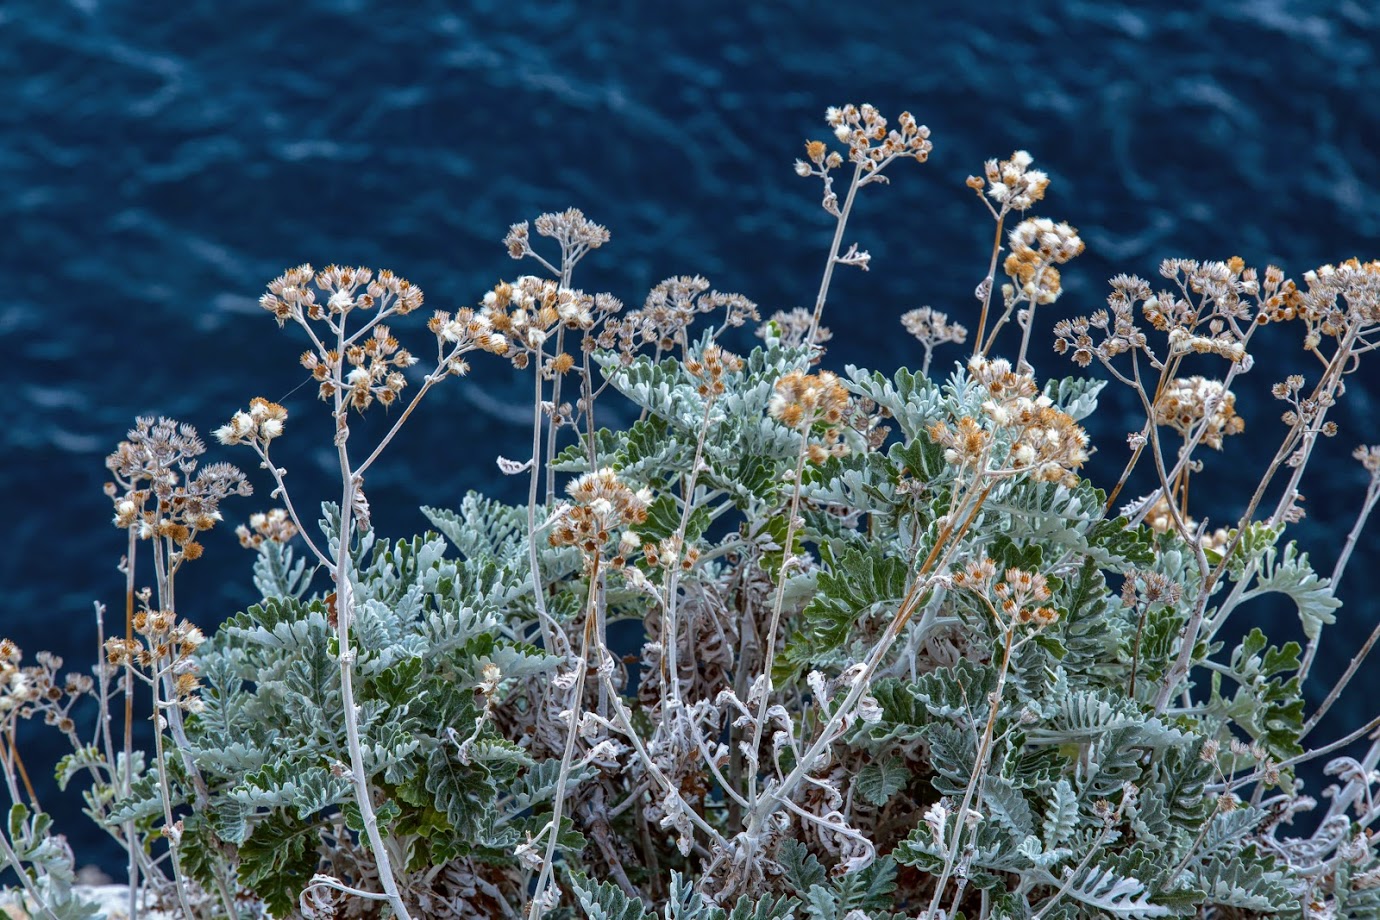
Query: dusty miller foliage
x,y
899,658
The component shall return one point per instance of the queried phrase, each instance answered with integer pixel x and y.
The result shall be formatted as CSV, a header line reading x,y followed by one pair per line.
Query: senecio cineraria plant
x,y
899,658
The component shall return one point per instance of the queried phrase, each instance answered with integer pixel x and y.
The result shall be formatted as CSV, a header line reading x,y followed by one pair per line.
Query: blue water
x,y
161,161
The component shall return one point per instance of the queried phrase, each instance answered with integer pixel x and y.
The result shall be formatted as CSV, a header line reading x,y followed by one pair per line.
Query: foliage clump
x,y
899,657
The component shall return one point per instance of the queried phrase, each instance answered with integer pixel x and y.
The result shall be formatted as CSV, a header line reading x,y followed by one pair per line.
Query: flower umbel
x,y
274,526
1188,401
803,401
604,508
158,463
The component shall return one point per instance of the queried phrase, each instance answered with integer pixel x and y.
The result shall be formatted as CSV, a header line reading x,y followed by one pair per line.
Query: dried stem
x,y
842,223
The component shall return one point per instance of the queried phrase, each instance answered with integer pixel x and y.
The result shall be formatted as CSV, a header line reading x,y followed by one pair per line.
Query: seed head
x,y
1011,183
604,507
1189,400
932,327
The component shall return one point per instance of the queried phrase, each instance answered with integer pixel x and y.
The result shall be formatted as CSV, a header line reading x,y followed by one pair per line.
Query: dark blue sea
x,y
161,161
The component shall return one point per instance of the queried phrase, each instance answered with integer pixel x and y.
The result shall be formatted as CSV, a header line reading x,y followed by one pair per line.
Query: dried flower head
x,y
261,423
1002,382
290,295
1044,441
1012,184
519,318
576,234
166,649
1018,599
159,491
1037,245
274,526
518,241
462,333
1049,443
364,370
1120,333
604,508
671,307
871,147
1021,597
1187,401
965,443
1370,458
800,400
711,367
1339,299
812,401
572,229
870,144
17,686
932,327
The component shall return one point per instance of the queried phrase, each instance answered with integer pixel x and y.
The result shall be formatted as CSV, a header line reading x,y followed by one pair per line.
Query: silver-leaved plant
x,y
897,656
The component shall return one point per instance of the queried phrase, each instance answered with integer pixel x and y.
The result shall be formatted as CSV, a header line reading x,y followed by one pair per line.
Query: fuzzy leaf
x,y
913,400
606,901
277,573
878,781
1075,395
801,869
277,862
1292,575
1061,815
1247,881
1116,896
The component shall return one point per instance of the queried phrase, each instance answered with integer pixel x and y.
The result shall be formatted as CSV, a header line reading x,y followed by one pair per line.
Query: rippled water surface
x,y
161,161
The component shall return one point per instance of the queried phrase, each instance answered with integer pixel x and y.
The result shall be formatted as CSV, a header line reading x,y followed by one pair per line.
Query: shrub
x,y
900,658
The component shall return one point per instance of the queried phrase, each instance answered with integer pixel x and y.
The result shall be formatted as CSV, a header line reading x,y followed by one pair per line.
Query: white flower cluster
x,y
262,422
1013,184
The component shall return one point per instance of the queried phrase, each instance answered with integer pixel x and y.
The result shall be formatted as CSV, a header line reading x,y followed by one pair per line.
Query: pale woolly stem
x,y
577,696
990,280
128,742
769,656
823,294
344,594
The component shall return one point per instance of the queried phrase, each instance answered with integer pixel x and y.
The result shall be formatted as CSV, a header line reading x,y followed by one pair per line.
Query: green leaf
x,y
1292,575
663,520
862,581
606,901
800,868
878,781
913,400
952,757
278,573
1123,543
305,788
959,690
1007,805
483,529
1086,628
1075,395
868,889
1257,538
747,908
278,861
1116,896
1247,881
1266,704
1111,760
77,762
145,800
